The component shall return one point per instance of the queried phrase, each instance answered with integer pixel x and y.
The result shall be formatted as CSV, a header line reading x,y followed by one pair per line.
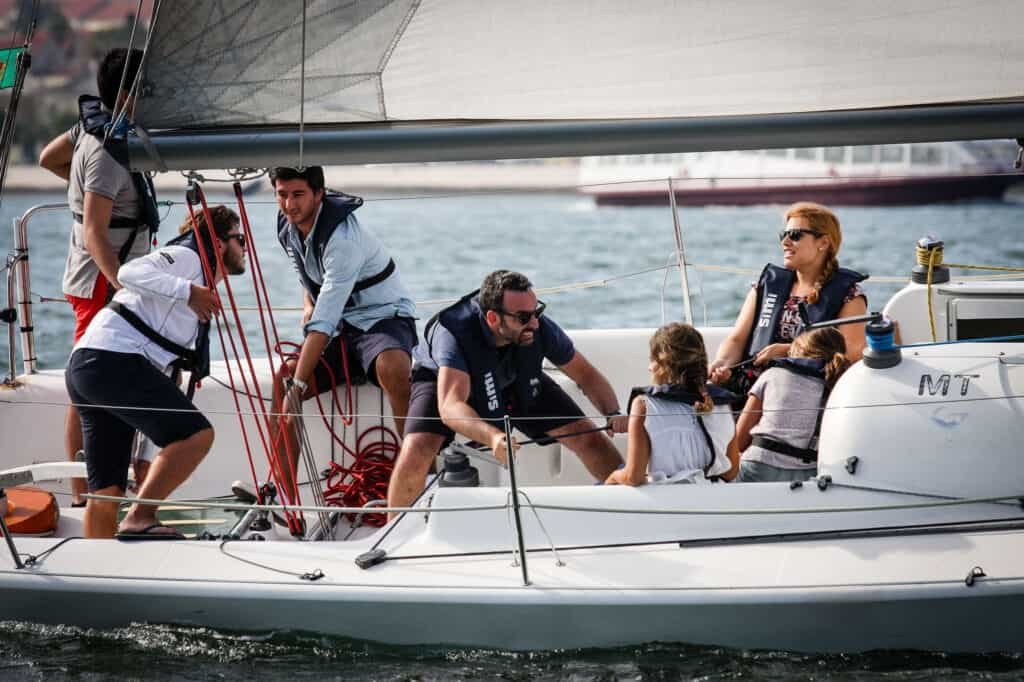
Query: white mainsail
x,y
238,62
415,63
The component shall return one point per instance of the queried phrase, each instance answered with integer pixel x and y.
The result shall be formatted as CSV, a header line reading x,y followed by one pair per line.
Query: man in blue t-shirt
x,y
482,359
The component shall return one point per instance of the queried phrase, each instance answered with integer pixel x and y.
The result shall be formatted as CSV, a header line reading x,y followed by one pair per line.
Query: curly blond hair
x,y
679,350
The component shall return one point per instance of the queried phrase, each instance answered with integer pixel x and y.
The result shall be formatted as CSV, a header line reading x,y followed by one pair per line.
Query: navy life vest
x,y
197,360
773,289
95,120
336,209
463,321
678,393
808,367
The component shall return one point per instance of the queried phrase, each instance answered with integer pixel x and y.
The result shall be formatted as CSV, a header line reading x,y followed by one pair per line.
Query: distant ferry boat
x,y
894,174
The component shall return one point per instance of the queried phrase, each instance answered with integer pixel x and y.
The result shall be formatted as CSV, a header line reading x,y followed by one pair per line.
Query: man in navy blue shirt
x,y
481,359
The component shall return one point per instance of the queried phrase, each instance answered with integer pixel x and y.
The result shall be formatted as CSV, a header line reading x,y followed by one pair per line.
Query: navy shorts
x,y
549,409
362,349
109,388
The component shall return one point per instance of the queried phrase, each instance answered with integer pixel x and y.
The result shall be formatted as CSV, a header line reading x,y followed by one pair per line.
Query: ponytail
x,y
834,369
831,265
705,406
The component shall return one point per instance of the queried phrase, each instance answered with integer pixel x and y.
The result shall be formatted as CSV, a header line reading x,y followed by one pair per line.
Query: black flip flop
x,y
148,533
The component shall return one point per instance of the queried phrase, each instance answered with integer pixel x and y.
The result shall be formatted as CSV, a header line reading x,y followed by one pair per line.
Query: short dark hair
x,y
313,175
224,220
492,291
108,78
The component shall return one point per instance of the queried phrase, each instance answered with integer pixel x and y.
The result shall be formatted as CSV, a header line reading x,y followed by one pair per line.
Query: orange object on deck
x,y
31,511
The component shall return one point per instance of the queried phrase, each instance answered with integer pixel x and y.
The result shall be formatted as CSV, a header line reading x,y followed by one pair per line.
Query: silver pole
x,y
515,499
680,253
28,339
11,359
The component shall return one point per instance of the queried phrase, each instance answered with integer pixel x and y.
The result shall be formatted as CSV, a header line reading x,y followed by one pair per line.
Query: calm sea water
x,y
444,246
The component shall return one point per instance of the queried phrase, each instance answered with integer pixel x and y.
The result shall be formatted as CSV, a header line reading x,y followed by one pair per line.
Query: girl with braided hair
x,y
810,273
679,431
777,431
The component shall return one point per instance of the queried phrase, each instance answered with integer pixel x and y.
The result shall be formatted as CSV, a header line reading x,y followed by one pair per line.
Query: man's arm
x,y
96,214
156,274
312,348
453,387
307,307
597,389
56,156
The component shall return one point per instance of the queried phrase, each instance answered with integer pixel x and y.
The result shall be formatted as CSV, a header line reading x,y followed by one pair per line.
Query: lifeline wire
x,y
1012,499
374,415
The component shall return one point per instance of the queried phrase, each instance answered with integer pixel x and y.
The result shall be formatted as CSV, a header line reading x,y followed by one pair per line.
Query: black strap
x,y
711,445
804,454
119,224
116,222
187,355
371,281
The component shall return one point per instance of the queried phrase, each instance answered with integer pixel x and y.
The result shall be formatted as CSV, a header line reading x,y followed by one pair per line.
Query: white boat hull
x,y
804,597
616,579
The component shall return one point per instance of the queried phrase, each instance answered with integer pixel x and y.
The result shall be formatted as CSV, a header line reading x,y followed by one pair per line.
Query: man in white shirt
x,y
123,363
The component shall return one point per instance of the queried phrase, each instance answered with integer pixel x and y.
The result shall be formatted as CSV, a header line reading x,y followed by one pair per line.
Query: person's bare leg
x,y
393,369
171,467
283,434
73,442
596,450
100,518
410,474
141,469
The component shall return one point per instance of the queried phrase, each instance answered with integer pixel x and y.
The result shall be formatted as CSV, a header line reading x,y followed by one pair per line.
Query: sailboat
x,y
911,536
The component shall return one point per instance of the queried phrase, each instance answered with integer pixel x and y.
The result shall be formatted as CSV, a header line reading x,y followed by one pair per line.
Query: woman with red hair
x,y
769,319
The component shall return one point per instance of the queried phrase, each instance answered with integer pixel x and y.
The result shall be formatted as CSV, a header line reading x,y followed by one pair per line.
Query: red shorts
x,y
86,308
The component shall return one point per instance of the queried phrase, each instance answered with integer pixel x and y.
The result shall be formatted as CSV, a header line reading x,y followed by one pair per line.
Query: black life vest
x,y
197,360
808,367
463,321
678,393
336,209
773,289
95,120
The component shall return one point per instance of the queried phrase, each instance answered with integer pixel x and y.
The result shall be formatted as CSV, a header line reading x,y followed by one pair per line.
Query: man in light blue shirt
x,y
355,306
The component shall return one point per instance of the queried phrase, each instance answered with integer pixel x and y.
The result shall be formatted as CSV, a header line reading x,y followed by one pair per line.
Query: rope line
x,y
931,504
1011,273
374,415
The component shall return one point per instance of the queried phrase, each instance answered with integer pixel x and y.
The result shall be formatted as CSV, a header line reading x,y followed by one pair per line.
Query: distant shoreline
x,y
463,177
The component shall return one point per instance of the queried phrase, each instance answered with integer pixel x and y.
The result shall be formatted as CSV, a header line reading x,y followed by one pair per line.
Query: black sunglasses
x,y
796,235
240,237
524,316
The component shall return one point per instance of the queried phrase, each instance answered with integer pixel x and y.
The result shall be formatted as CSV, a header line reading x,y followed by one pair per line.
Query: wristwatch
x,y
608,417
292,381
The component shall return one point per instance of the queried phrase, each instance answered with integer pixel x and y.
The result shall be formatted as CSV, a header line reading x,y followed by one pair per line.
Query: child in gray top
x,y
777,431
